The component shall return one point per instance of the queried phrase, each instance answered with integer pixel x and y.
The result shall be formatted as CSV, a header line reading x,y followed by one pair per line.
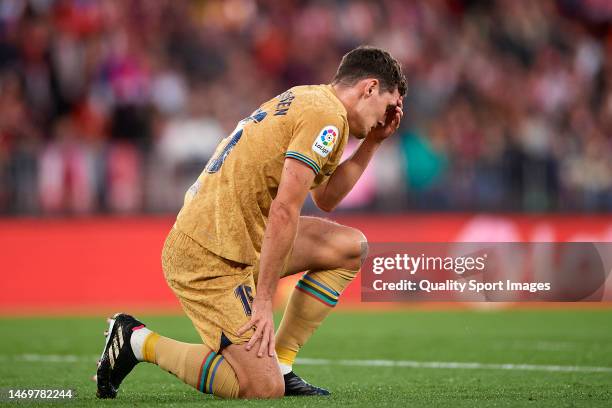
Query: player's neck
x,y
344,95
349,97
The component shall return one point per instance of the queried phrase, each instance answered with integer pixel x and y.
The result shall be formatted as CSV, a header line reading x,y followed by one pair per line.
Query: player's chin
x,y
363,134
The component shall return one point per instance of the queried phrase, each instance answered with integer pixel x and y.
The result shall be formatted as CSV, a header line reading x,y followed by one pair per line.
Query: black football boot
x,y
117,358
295,386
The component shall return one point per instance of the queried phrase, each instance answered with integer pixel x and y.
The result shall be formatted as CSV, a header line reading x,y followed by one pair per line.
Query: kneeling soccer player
x,y
240,226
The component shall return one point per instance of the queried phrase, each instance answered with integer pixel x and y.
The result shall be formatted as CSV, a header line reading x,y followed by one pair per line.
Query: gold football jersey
x,y
226,209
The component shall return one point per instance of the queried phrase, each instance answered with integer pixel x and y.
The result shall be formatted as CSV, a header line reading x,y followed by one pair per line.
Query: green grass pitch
x,y
577,338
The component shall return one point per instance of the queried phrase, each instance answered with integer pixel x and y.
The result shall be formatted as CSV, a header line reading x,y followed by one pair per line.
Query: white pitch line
x,y
48,358
452,365
72,358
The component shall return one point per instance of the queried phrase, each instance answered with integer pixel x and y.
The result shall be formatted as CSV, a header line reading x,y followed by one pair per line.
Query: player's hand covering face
x,y
390,120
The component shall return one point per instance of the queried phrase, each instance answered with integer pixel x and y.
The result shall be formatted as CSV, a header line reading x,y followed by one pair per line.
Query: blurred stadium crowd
x,y
115,106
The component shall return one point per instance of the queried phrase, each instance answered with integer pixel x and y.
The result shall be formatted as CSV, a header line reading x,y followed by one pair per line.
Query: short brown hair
x,y
370,62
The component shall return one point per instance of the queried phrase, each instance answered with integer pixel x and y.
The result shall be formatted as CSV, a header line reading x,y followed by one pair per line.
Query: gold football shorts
x,y
215,293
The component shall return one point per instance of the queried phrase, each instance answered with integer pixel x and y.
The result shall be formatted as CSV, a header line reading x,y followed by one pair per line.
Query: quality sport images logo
x,y
325,141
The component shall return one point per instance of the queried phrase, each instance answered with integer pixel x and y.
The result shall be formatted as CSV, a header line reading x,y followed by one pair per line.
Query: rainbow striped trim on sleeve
x,y
317,290
208,369
304,159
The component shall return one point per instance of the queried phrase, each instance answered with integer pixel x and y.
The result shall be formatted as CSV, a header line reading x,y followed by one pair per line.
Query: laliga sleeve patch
x,y
325,141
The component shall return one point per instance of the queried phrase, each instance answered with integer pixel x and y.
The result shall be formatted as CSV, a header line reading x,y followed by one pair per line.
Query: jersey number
x,y
215,163
245,294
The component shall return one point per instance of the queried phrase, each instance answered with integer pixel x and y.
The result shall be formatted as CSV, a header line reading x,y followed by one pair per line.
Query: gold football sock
x,y
314,296
195,364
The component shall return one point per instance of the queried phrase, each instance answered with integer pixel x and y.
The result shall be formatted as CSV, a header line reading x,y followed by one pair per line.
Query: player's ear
x,y
372,85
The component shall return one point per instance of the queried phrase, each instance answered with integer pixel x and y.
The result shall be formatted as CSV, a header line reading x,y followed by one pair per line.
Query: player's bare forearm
x,y
278,240
341,182
277,243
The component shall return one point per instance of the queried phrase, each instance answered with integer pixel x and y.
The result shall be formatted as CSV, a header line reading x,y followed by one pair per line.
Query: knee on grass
x,y
268,387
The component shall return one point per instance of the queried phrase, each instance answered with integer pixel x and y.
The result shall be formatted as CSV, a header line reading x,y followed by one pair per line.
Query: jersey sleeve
x,y
315,137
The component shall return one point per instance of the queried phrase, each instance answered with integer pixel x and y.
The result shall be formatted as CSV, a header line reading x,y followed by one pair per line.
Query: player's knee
x,y
358,250
277,388
265,388
363,248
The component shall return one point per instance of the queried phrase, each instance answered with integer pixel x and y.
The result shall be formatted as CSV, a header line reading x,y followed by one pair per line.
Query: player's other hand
x,y
263,323
393,118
